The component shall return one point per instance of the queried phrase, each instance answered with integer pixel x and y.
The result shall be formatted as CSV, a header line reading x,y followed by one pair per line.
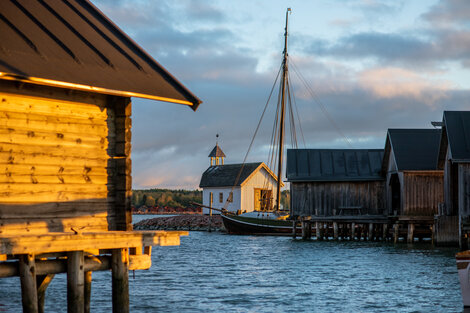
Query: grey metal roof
x,y
226,175
70,41
457,128
334,164
217,152
414,149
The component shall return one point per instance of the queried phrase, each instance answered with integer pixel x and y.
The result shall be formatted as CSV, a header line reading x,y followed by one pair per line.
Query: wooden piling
x,y
395,233
411,229
42,282
306,230
384,232
27,271
294,229
370,234
120,281
335,231
87,292
75,282
353,230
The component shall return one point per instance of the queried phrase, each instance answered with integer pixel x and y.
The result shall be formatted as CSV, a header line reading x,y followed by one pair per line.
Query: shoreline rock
x,y
182,222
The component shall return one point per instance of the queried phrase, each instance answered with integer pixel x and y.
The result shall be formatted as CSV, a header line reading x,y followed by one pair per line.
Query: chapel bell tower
x,y
217,155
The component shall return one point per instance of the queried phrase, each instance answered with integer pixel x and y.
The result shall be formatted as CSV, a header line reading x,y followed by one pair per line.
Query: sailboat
x,y
269,220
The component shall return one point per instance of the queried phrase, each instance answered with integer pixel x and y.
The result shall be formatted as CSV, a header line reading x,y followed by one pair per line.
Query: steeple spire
x,y
217,155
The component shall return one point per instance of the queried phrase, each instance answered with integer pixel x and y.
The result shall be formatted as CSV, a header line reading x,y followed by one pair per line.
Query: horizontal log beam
x,y
92,264
62,242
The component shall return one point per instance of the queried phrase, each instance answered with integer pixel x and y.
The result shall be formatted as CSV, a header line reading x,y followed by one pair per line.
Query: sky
x,y
373,65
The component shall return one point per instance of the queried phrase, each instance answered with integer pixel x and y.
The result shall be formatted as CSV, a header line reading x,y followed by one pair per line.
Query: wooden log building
x,y
414,185
454,159
338,190
66,77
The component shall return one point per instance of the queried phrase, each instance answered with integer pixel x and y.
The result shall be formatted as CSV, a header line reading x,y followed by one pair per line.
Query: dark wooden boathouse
x,y
453,219
414,185
66,77
337,190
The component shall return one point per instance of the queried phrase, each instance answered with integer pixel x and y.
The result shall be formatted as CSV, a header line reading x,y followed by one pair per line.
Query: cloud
x,y
392,82
449,13
367,80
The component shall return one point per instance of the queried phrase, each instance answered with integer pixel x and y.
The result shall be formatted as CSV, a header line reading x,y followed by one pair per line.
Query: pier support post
x,y
395,233
306,230
432,234
370,234
335,230
88,278
42,282
75,282
353,231
294,229
120,278
384,232
27,271
411,229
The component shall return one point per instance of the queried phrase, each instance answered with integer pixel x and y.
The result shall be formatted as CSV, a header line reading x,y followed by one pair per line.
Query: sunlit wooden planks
x,y
94,222
48,243
56,161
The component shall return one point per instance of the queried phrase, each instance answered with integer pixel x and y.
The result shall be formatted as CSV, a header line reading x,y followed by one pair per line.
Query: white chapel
x,y
237,187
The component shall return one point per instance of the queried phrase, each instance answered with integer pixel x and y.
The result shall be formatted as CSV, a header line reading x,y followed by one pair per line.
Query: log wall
x,y
64,160
422,192
325,198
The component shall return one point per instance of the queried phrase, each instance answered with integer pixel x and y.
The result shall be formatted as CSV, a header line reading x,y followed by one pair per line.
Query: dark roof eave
x,y
310,180
95,89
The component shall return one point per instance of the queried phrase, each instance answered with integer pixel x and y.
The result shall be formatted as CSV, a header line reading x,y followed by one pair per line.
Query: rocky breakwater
x,y
182,222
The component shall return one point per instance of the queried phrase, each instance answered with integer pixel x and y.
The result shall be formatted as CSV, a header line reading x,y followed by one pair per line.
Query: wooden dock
x,y
37,258
367,228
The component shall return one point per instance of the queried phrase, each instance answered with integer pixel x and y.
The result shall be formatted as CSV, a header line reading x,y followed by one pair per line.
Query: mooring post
x,y
317,230
119,267
353,230
395,232
370,235
87,278
411,229
27,271
335,230
75,282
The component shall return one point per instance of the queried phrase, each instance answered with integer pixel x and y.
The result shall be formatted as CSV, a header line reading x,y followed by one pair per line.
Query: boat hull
x,y
239,225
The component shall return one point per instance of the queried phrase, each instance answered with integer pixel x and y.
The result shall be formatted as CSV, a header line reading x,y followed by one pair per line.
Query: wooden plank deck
x,y
64,242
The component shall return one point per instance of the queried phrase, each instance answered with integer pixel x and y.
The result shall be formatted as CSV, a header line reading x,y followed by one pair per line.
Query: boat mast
x,y
282,117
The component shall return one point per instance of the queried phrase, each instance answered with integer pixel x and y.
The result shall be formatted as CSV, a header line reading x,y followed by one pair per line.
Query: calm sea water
x,y
214,272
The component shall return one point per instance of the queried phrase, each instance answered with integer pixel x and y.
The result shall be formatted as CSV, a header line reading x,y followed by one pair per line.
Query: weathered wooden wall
x,y
422,191
464,192
64,160
325,197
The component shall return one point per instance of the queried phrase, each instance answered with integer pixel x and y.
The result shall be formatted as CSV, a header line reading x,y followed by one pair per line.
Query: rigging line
x,y
253,138
322,106
293,131
298,116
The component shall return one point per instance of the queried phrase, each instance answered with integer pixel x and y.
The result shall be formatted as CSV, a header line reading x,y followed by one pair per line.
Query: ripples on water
x,y
214,272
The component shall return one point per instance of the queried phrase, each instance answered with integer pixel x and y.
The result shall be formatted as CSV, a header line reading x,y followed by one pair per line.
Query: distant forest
x,y
178,198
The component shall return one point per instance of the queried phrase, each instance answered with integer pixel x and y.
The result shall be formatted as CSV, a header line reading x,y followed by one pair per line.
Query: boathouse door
x,y
396,194
263,199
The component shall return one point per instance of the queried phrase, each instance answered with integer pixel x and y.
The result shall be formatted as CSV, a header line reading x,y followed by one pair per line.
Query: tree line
x,y
166,197
179,198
